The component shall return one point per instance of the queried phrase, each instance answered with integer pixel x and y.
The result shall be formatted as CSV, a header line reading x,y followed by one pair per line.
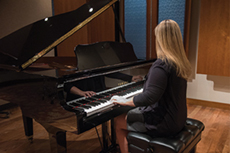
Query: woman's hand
x,y
137,78
119,100
87,93
79,92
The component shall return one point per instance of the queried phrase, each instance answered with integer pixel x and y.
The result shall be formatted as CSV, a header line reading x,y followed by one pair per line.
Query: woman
x,y
161,108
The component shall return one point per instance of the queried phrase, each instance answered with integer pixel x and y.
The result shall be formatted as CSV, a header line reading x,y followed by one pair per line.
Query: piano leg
x,y
28,127
105,135
113,134
57,138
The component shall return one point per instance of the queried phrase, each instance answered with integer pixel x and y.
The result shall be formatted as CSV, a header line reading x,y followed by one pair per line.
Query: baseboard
x,y
208,103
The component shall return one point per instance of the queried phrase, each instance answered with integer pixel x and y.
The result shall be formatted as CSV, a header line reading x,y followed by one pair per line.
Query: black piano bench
x,y
184,142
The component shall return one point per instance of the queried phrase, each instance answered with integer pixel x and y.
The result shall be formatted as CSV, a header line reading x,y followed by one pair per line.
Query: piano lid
x,y
26,45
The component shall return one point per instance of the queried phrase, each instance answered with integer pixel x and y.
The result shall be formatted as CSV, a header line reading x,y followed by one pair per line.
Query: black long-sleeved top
x,y
163,101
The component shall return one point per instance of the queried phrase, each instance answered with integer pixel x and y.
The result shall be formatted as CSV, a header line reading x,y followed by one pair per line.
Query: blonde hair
x,y
169,47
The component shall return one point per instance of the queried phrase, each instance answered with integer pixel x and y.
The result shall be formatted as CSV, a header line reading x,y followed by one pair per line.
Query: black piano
x,y
36,83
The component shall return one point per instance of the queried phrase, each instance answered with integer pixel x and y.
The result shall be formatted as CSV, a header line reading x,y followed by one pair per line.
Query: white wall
x,y
15,14
202,86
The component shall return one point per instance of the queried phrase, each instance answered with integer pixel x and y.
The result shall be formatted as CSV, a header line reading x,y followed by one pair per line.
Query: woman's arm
x,y
155,86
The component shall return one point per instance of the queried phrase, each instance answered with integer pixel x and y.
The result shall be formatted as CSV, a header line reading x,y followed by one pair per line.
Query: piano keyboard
x,y
101,101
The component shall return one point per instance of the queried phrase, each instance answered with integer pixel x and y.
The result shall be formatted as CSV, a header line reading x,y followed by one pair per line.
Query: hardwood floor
x,y
215,137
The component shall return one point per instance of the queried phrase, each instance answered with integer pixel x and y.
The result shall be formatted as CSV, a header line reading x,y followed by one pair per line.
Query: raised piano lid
x,y
26,45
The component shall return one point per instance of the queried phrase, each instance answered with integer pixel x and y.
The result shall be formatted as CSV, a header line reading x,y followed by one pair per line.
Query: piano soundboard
x,y
101,101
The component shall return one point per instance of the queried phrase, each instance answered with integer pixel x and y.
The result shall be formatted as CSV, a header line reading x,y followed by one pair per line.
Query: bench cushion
x,y
184,141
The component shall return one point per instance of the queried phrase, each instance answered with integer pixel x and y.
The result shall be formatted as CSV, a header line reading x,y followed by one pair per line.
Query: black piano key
x,y
74,104
126,87
78,108
82,101
110,92
86,106
131,90
90,99
94,104
98,96
122,94
77,105
98,101
90,103
105,94
103,100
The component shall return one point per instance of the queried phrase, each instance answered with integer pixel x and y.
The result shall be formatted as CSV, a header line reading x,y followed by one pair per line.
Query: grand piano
x,y
36,83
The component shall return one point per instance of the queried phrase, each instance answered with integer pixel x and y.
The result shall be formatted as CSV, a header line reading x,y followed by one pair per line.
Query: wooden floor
x,y
215,137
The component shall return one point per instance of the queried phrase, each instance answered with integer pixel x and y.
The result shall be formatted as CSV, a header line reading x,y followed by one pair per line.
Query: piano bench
x,y
185,141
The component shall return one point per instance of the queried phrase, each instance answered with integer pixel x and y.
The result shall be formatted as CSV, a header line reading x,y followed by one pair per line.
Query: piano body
x,y
36,83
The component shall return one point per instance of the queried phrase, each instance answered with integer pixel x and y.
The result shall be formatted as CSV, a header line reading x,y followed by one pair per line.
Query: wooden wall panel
x,y
213,47
99,29
187,19
152,21
102,28
66,48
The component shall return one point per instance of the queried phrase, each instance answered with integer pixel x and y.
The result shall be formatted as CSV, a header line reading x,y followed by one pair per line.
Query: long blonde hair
x,y
169,47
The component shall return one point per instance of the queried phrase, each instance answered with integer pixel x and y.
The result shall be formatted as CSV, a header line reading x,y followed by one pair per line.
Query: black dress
x,y
163,101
